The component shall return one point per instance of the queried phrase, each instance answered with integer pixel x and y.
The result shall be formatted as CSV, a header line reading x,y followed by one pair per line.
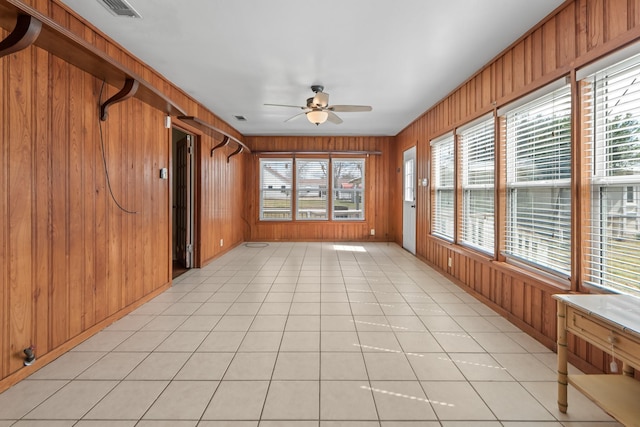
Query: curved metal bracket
x,y
128,90
26,32
238,151
224,142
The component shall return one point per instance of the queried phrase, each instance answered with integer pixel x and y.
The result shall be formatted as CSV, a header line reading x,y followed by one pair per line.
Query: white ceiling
x,y
401,57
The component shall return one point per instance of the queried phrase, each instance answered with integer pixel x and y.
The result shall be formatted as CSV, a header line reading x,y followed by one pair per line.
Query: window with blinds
x,y
311,189
348,189
477,144
443,164
275,189
538,154
611,98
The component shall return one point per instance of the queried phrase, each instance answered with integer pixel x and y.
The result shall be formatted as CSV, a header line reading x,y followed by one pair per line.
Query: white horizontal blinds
x,y
477,146
312,180
538,150
348,189
275,189
443,164
612,100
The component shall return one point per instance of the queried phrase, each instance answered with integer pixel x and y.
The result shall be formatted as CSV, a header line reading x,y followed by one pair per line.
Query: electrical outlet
x,y
449,262
373,231
221,242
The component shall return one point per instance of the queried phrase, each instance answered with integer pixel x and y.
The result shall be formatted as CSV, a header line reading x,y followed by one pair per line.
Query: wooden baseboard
x,y
45,359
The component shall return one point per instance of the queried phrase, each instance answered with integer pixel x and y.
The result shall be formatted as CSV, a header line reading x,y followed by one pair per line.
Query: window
x,y
538,154
275,189
348,189
478,170
611,98
311,189
444,179
409,181
311,179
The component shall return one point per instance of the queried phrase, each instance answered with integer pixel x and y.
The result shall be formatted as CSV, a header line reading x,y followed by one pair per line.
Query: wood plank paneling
x,y
566,37
19,228
578,33
376,194
616,15
70,260
41,201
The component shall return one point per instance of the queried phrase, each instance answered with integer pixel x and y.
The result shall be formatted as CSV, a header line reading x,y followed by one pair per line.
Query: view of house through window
x,y
611,99
443,161
313,178
538,155
348,188
477,146
276,178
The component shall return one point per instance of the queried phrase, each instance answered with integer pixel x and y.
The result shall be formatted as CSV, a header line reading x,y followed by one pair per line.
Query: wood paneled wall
x,y
577,33
71,261
222,202
377,193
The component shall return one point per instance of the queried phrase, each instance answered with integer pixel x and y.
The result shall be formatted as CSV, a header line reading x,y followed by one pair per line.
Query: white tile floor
x,y
304,334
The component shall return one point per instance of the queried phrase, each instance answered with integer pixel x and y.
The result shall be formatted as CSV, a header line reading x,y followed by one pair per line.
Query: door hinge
x,y
189,248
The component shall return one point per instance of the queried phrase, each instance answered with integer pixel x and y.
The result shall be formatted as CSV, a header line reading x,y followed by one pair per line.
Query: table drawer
x,y
627,346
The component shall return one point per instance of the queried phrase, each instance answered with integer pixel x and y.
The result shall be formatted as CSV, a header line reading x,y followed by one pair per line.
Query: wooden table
x,y
611,323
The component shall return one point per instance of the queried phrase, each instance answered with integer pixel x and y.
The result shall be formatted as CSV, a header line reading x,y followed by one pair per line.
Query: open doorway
x,y
183,174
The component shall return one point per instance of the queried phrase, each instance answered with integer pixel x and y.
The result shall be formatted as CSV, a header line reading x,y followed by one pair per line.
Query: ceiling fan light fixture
x,y
317,117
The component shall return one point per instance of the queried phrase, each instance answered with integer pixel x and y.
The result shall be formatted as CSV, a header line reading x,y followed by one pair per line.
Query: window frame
x,y
439,209
610,257
308,213
538,201
293,189
358,193
474,137
288,191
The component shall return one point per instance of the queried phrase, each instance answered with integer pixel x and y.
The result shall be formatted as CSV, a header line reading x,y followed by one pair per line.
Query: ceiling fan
x,y
318,109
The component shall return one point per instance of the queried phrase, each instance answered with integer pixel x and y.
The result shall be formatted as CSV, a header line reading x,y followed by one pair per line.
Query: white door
x,y
409,201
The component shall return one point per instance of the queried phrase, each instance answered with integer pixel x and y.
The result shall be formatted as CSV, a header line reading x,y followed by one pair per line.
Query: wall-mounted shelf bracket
x,y
238,151
128,90
224,142
214,132
31,28
24,34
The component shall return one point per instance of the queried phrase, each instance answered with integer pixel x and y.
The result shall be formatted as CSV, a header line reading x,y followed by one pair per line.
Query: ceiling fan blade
x,y
284,105
321,99
295,117
333,118
350,108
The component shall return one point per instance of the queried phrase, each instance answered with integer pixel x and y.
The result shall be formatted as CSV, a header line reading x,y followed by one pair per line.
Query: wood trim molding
x,y
66,45
319,153
213,131
24,34
52,355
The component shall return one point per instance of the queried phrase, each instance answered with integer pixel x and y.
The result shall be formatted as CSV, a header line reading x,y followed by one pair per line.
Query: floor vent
x,y
120,8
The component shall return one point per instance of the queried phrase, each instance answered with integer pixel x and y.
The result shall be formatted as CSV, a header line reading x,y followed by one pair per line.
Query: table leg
x,y
562,358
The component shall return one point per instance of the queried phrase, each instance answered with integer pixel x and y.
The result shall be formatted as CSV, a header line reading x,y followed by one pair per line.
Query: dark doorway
x,y
183,201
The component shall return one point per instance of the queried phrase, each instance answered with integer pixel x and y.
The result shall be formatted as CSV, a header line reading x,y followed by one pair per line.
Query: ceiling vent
x,y
120,8
241,118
